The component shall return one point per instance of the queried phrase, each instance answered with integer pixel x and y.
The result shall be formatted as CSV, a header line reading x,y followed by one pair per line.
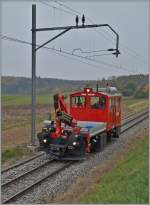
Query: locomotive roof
x,y
103,93
110,94
106,92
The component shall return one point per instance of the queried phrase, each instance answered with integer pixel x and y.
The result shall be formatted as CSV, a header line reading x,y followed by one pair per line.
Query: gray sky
x,y
129,18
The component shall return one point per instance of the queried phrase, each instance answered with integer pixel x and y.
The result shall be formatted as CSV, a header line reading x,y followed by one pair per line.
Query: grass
x,y
136,103
23,123
22,118
48,98
14,154
25,99
127,182
9,100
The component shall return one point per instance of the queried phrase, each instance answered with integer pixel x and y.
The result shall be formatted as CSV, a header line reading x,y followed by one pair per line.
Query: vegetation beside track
x,y
10,100
16,117
10,155
127,182
16,120
16,110
137,104
132,85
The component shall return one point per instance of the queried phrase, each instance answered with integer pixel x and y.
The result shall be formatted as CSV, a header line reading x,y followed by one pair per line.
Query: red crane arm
x,y
62,114
59,103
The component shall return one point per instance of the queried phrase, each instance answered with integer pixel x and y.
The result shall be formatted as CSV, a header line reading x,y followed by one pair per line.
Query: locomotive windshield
x,y
97,102
78,102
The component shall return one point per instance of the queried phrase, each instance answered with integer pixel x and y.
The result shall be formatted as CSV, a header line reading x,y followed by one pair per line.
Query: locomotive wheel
x,y
117,132
95,144
81,149
103,141
109,137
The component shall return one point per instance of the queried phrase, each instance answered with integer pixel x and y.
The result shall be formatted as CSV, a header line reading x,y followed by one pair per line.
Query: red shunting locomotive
x,y
92,120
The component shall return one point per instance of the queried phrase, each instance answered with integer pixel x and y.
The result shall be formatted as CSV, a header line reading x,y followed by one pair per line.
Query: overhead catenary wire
x,y
70,12
54,7
92,51
75,12
127,50
70,54
60,51
105,54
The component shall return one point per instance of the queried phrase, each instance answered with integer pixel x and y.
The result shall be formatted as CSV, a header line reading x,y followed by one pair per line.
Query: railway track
x,y
22,162
134,120
42,154
18,186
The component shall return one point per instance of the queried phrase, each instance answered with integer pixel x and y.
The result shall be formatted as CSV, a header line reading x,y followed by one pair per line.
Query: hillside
x,y
22,85
132,85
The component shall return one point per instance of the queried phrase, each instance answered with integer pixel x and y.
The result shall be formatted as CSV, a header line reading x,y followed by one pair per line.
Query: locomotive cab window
x,y
78,102
97,102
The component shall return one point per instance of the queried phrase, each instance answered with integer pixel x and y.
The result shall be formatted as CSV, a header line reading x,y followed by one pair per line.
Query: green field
x,y
46,99
127,182
26,99
17,111
14,154
135,103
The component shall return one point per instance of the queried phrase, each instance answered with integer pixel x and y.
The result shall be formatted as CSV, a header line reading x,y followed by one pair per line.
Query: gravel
x,y
22,183
13,173
61,182
16,171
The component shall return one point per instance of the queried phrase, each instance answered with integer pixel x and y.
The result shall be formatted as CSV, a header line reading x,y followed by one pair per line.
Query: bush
x,y
142,92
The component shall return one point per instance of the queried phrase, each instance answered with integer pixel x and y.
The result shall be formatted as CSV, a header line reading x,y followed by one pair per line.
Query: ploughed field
x,y
16,116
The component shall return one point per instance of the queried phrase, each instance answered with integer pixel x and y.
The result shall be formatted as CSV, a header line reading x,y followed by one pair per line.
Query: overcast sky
x,y
129,18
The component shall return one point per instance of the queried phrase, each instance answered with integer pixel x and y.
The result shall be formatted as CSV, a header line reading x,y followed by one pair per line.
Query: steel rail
x,y
134,118
135,123
34,157
139,118
22,162
26,173
12,198
133,114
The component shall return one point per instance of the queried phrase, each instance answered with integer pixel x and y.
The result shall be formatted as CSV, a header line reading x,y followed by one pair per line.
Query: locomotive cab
x,y
103,106
93,118
92,107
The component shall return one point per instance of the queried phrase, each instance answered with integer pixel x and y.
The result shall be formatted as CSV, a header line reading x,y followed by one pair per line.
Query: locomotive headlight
x,y
74,143
44,140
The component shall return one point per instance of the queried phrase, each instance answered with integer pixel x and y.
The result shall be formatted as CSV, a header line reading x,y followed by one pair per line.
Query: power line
x,y
72,13
54,7
56,51
128,50
105,54
81,50
67,7
4,37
